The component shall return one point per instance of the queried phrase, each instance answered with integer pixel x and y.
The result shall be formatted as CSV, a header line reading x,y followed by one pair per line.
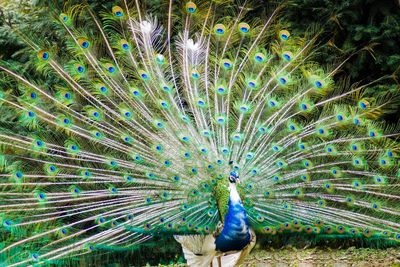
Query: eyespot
x,y
159,124
110,68
244,108
67,95
164,104
79,68
262,130
284,35
201,103
124,44
304,106
219,29
372,134
225,150
64,17
236,137
328,186
318,84
195,74
33,95
379,179
302,146
321,131
160,59
292,127
282,80
287,55
118,11
41,196
83,43
191,7
166,88
221,89
243,27
226,64
363,104
349,200
44,55
185,118
259,57
252,84
305,177
144,75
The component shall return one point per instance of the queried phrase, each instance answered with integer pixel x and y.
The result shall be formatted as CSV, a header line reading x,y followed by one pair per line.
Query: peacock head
x,y
234,178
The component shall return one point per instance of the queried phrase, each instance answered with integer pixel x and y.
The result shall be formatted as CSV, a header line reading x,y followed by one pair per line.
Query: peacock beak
x,y
238,180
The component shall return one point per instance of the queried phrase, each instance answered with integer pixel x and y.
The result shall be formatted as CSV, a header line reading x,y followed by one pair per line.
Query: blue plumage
x,y
235,235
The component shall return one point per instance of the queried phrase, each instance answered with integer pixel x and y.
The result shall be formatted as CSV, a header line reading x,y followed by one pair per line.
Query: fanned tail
x,y
128,128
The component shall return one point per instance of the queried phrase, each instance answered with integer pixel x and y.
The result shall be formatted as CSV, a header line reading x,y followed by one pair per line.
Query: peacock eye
x,y
111,69
252,84
160,59
64,17
287,55
318,84
44,55
79,68
144,75
195,74
244,27
259,57
124,44
282,80
191,7
118,11
219,29
226,64
284,35
363,104
84,43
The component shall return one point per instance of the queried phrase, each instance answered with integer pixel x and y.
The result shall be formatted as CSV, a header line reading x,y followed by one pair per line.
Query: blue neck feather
x,y
235,234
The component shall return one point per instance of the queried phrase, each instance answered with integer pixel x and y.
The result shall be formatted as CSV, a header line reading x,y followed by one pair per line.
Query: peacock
x,y
191,119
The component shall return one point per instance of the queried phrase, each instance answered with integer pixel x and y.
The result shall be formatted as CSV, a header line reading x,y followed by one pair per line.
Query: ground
x,y
323,257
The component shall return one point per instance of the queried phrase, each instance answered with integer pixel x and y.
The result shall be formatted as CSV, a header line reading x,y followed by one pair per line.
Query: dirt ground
x,y
319,257
314,257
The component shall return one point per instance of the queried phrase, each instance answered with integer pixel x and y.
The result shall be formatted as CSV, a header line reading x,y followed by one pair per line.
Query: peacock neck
x,y
233,194
235,234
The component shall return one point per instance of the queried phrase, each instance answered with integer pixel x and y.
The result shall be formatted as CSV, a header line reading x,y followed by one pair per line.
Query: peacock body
x,y
138,121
